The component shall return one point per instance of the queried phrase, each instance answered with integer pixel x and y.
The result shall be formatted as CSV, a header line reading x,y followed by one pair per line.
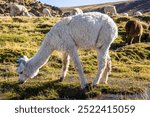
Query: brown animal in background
x,y
134,31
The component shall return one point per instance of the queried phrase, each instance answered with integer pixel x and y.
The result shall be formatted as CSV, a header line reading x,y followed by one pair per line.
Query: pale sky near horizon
x,y
62,3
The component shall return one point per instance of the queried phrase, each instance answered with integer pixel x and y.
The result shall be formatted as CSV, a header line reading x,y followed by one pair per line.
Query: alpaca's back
x,y
86,30
138,13
46,11
76,11
18,9
134,28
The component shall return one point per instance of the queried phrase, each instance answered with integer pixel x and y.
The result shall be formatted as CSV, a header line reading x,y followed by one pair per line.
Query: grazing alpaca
x,y
125,14
134,31
76,11
138,13
16,9
46,12
89,30
110,10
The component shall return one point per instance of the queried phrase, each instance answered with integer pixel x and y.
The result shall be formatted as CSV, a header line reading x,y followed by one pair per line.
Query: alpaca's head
x,y
21,67
24,71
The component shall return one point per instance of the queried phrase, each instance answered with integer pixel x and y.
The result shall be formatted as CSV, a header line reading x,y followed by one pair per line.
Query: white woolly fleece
x,y
88,30
16,9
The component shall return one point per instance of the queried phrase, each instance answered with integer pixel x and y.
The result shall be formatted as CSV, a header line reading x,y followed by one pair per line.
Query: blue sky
x,y
62,3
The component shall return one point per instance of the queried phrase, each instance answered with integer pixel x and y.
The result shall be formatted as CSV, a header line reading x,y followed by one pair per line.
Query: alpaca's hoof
x,y
88,87
93,86
103,82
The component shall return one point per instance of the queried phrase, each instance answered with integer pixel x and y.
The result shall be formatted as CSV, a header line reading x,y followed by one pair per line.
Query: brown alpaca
x,y
134,31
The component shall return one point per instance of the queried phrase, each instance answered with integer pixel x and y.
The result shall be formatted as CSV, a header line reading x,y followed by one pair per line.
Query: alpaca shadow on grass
x,y
116,46
43,31
64,91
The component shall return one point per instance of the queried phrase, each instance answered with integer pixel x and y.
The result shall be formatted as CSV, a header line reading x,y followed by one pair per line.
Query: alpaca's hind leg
x,y
65,65
139,39
74,55
106,72
129,39
102,62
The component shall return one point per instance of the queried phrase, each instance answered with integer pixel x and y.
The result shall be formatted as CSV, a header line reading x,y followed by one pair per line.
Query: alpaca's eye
x,y
21,72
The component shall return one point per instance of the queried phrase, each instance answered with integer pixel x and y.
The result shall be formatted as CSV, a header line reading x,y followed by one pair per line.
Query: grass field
x,y
130,77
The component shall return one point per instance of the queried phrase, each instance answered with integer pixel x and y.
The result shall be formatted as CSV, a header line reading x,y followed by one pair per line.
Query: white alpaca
x,y
125,14
110,10
46,12
76,11
138,13
16,9
89,30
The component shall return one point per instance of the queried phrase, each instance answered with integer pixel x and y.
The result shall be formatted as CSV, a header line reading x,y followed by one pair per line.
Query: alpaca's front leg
x,y
107,71
74,55
65,65
102,62
130,40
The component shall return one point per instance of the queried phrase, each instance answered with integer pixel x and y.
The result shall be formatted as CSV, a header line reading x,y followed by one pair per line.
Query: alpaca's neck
x,y
42,55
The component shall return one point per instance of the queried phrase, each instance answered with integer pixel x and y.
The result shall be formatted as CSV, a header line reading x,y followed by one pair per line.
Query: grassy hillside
x,y
20,36
13,0
129,6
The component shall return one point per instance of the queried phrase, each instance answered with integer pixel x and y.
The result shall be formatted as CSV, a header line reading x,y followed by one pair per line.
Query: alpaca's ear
x,y
25,58
22,60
